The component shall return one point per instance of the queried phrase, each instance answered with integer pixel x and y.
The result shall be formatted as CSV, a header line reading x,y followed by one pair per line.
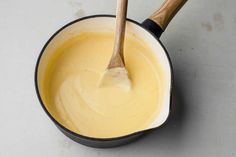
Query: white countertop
x,y
201,42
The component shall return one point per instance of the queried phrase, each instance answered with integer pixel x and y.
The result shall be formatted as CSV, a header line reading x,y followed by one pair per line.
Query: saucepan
x,y
149,31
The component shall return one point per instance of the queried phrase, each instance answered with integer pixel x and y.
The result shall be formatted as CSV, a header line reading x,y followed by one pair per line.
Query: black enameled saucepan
x,y
149,31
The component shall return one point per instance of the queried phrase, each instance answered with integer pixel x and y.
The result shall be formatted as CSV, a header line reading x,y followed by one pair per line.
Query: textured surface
x,y
201,42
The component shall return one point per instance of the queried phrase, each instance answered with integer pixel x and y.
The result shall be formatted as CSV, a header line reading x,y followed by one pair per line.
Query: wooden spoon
x,y
116,74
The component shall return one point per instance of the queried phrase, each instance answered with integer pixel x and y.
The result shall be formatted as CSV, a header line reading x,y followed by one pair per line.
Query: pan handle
x,y
158,21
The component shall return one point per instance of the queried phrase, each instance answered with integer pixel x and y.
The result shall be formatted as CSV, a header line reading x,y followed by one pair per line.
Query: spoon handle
x,y
121,13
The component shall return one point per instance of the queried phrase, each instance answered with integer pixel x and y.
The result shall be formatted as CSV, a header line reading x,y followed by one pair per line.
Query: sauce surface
x,y
73,96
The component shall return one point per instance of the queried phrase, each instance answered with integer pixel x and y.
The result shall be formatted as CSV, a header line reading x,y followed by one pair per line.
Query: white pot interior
x,y
108,24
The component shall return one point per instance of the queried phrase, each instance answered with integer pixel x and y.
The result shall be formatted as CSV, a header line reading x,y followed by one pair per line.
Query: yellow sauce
x,y
72,94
